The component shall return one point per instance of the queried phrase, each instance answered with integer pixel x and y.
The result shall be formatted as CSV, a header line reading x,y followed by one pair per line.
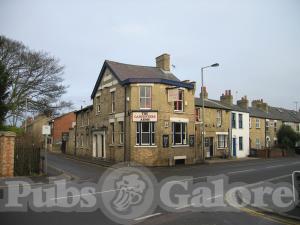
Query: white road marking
x,y
214,197
146,217
184,206
280,165
241,171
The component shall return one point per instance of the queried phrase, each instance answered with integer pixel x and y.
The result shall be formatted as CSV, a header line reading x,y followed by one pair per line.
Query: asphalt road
x,y
248,172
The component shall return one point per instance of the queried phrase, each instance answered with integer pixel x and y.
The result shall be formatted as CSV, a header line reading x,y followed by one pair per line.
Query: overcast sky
x,y
256,42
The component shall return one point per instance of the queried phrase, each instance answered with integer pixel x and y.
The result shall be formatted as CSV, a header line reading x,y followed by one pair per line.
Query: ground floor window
x,y
257,143
240,143
222,141
179,133
121,126
145,133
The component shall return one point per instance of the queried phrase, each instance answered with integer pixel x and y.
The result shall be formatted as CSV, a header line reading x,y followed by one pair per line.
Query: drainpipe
x,y
75,144
125,127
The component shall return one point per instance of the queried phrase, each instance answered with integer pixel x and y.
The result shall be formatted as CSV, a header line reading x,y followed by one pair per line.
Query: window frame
x,y
241,143
145,97
257,123
233,120
224,141
98,107
241,121
182,133
121,132
113,101
219,118
112,126
140,132
176,103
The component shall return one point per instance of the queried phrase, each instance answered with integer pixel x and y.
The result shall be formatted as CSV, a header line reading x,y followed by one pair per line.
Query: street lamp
x,y
202,96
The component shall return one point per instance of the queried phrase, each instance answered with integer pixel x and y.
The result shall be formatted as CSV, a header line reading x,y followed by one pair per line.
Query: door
x,y
234,147
99,145
211,146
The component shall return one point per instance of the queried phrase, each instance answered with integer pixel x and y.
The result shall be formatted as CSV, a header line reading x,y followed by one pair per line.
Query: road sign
x,y
296,186
46,130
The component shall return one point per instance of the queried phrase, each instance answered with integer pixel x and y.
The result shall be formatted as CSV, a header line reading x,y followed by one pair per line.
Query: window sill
x,y
178,146
179,112
145,146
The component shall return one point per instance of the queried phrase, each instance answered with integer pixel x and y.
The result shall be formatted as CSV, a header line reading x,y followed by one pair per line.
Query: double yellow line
x,y
269,217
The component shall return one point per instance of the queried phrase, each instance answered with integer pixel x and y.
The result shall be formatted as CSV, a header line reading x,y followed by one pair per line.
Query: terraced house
x,y
143,114
217,125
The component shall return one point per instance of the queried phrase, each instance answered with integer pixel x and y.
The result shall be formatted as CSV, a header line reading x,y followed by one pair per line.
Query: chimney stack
x,y
227,98
163,62
260,104
204,93
243,103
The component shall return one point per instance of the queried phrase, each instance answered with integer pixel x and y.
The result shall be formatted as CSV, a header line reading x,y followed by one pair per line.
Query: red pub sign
x,y
144,116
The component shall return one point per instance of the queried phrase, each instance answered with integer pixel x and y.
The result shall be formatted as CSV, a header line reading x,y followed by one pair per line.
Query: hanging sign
x,y
173,95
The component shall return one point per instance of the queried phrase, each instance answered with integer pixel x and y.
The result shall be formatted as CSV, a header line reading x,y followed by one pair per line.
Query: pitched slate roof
x,y
210,103
127,73
254,112
84,109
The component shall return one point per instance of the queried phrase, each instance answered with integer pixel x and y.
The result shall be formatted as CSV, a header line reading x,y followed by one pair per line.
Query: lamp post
x,y
202,97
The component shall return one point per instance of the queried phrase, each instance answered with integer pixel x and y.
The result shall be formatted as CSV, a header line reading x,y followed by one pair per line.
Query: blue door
x,y
233,146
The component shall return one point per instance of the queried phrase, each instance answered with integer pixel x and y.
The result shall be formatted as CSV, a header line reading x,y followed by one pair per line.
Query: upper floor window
x,y
240,121
250,121
179,133
275,126
145,97
97,104
233,120
267,125
178,105
219,118
197,115
257,123
113,101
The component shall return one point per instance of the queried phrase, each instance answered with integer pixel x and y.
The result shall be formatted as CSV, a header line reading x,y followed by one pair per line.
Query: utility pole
x,y
26,109
296,103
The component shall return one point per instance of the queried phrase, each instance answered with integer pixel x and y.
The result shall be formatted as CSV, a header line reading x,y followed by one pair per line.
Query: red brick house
x,y
59,130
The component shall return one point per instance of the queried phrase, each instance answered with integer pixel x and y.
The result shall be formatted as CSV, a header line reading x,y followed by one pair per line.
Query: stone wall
x,y
7,145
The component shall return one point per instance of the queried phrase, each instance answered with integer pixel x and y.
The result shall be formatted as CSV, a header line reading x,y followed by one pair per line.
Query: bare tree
x,y
33,75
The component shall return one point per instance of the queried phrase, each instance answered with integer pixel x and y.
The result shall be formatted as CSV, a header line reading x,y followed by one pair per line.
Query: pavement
x,y
251,172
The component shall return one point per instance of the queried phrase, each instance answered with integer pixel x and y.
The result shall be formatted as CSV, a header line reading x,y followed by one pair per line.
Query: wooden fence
x,y
27,157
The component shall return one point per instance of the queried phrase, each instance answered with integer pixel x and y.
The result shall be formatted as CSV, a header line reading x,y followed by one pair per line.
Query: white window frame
x,y
145,97
112,126
257,123
179,100
121,136
219,118
257,143
250,122
241,143
222,141
183,141
113,101
140,133
98,107
240,122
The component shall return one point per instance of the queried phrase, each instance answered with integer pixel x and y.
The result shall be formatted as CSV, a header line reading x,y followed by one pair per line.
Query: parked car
x,y
297,148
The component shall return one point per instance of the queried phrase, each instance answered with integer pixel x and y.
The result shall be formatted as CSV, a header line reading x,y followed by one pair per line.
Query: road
x,y
249,172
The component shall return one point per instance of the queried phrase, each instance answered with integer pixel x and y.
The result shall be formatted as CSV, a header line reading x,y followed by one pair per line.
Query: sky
x,y
256,42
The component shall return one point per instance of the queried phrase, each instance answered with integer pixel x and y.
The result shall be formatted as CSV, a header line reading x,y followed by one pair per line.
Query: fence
x,y
27,157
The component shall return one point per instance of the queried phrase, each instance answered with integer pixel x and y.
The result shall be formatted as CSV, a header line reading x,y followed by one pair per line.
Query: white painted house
x,y
239,132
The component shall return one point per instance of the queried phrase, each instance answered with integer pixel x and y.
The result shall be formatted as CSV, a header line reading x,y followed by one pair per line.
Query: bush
x,y
17,130
287,137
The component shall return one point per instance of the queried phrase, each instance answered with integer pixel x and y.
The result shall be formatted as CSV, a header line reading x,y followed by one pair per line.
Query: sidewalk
x,y
219,160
